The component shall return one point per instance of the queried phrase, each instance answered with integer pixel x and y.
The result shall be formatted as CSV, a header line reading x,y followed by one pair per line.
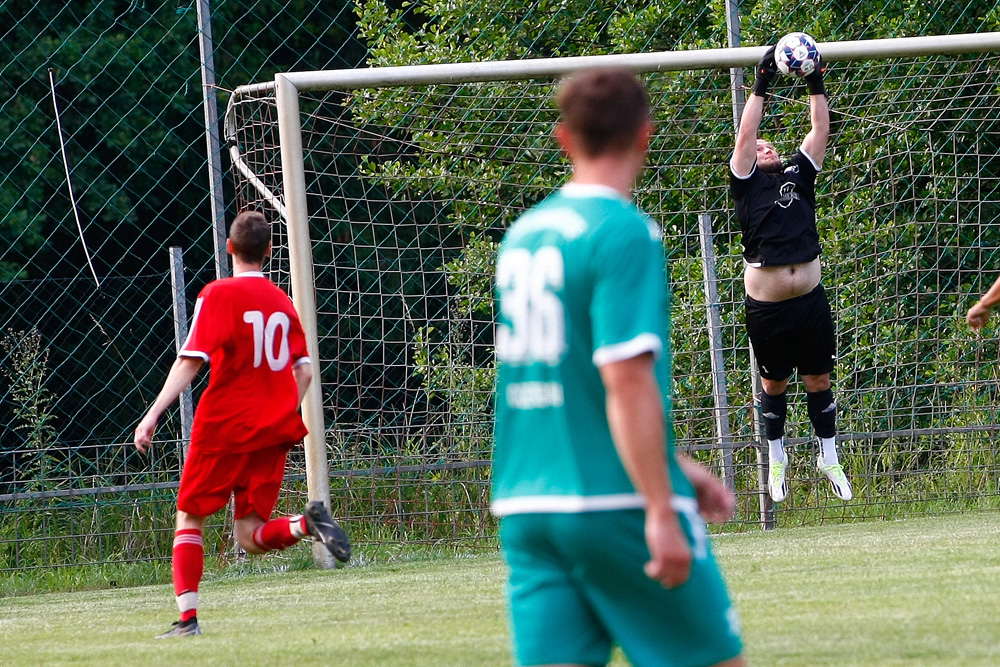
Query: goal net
x,y
410,176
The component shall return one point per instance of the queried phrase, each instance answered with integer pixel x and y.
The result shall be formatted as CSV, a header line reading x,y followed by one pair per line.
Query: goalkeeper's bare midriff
x,y
778,283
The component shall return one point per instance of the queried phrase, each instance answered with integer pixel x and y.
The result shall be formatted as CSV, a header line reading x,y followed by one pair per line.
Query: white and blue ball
x,y
796,54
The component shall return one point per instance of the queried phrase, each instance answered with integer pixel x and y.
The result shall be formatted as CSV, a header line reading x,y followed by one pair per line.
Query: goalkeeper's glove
x,y
765,72
815,80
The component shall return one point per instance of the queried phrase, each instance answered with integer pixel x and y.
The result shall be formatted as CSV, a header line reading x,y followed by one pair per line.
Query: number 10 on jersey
x,y
265,335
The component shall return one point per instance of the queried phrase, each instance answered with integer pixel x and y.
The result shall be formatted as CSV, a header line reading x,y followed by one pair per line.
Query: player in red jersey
x,y
248,418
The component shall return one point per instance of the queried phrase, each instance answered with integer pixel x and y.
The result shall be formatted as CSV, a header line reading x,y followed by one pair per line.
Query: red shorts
x,y
253,478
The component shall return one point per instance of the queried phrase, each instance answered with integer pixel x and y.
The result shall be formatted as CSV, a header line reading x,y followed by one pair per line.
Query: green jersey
x,y
580,283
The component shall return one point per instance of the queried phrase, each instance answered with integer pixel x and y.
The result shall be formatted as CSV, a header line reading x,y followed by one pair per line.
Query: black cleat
x,y
321,525
187,628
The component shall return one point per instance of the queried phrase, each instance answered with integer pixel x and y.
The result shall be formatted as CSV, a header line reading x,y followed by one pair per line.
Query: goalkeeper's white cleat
x,y
835,473
776,486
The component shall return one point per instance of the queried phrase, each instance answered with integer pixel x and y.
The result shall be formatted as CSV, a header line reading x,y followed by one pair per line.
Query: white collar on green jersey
x,y
591,190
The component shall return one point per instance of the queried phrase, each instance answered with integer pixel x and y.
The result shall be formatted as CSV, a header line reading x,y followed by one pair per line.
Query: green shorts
x,y
576,587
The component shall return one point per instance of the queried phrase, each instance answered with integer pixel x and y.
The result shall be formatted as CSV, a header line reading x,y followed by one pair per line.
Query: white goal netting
x,y
409,188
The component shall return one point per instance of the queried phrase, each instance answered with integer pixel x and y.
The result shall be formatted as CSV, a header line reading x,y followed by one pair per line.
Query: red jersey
x,y
249,332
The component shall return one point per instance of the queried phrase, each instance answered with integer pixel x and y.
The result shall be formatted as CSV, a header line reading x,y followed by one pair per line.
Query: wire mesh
x,y
82,359
411,188
81,362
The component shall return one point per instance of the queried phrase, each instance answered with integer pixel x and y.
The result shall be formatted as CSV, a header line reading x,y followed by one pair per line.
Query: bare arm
x,y
981,311
638,427
745,153
303,376
180,376
814,145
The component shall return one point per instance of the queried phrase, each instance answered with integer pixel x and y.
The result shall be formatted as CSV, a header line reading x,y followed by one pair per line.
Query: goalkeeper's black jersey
x,y
777,213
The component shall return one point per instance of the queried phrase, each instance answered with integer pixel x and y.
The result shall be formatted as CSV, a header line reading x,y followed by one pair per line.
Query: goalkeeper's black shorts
x,y
796,333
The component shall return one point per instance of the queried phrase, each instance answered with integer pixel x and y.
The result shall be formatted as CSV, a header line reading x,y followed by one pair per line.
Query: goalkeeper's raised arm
x,y
748,149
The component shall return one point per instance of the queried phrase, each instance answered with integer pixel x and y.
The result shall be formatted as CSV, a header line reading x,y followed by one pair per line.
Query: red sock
x,y
279,533
188,566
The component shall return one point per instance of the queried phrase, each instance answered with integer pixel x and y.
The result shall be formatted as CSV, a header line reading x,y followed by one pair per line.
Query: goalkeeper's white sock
x,y
776,450
828,448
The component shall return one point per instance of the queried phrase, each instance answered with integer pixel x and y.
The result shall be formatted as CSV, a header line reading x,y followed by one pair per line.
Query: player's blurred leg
x,y
280,533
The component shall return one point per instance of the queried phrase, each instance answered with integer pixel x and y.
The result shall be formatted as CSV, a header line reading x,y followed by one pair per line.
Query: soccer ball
x,y
796,54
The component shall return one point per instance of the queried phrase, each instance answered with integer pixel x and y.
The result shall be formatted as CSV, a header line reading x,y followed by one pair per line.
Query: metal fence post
x,y
214,145
720,397
180,335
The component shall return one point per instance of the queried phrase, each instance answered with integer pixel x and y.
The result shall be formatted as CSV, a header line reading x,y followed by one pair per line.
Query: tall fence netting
x,y
411,189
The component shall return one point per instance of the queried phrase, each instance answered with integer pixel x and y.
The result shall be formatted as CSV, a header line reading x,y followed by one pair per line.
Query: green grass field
x,y
878,594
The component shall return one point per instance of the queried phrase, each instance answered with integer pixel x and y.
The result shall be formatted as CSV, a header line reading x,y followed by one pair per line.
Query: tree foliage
x,y
127,79
893,225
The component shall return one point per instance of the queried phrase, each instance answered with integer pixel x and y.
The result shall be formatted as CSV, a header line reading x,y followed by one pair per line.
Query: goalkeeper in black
x,y
788,316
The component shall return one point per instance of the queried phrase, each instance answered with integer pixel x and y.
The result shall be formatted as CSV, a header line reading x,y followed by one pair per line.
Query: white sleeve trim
x,y
817,167
733,169
193,353
187,339
301,361
641,344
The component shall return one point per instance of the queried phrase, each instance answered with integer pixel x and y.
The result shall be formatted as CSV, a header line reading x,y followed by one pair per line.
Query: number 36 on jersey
x,y
532,327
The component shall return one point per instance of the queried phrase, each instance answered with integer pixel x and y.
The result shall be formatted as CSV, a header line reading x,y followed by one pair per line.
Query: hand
x,y
978,315
716,501
670,554
815,80
764,73
144,433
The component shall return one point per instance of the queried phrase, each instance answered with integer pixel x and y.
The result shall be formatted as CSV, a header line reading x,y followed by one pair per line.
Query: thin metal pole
x,y
719,394
736,82
177,288
303,295
213,143
735,73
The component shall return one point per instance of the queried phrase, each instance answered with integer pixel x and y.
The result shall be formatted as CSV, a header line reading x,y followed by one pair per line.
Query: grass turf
x,y
877,594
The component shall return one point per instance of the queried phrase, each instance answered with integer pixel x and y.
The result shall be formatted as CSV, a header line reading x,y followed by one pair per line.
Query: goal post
x,y
302,278
266,124
661,61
